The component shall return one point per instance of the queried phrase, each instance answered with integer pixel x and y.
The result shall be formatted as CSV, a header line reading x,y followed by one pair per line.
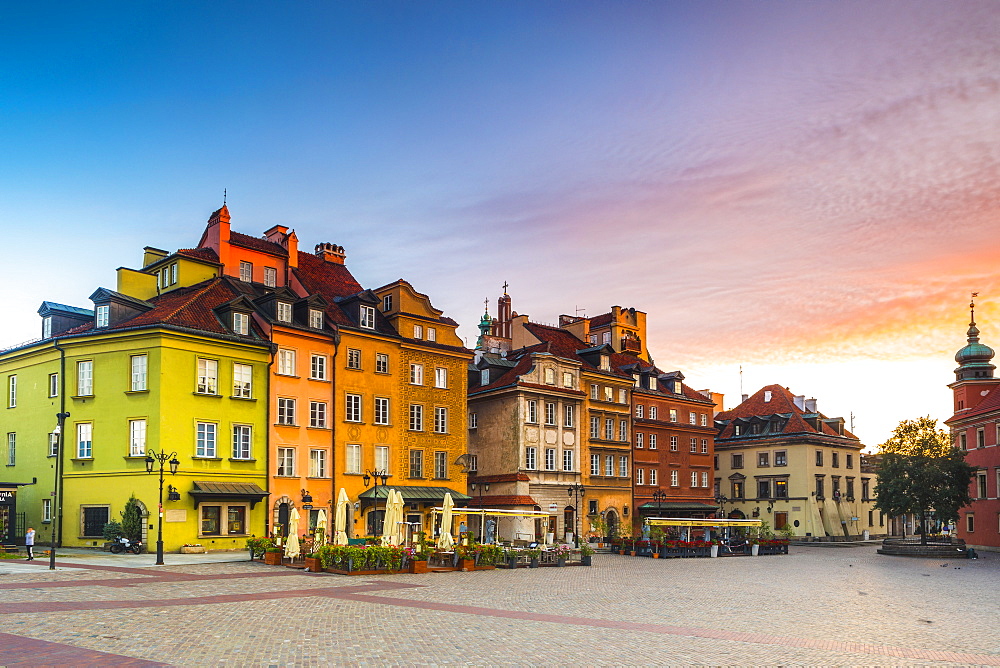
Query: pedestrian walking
x,y
29,542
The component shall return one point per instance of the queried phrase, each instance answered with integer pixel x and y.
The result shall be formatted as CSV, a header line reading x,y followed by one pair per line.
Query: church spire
x,y
974,358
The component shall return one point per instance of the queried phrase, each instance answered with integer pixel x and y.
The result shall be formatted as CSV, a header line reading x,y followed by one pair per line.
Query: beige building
x,y
779,459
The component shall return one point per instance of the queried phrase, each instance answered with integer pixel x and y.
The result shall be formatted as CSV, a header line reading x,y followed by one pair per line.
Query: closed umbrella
x,y
340,519
445,541
388,519
400,526
320,540
292,544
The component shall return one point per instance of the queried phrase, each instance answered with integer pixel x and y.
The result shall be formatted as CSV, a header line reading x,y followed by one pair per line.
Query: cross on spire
x,y
505,287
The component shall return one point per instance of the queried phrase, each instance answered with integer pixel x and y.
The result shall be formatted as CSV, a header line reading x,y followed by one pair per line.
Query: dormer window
x,y
284,312
101,316
677,387
241,323
418,331
605,363
47,327
315,318
246,272
484,377
652,382
270,277
386,303
366,317
431,334
606,338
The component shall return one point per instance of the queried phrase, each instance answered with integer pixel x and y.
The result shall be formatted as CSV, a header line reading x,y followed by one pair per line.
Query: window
x,y
652,476
286,411
609,429
440,463
242,381
173,273
94,519
605,364
211,520
675,478
569,416
136,438
781,489
865,489
53,445
737,430
416,374
381,410
11,391
606,338
623,396
694,445
530,458
652,382
46,510
205,439
704,420
138,365
440,420
640,477
623,430
473,421
84,440
317,414
970,523
242,441
102,315
317,463
819,458
441,377
416,417
652,442
353,458
652,412
11,448
694,478
416,463
46,327
704,446
595,427
550,376
678,387
353,358
763,489
639,411
850,489
550,459
980,483
738,489
980,438
53,385
484,377
593,391
246,272
850,461
673,415
780,458
352,408
241,323
550,414
382,458
763,459
609,394
84,380
270,277
386,303
366,317
595,465
284,312
567,460
208,376
692,418
819,487
638,439
674,443
381,363
962,443
532,411
286,462
704,478
835,459
286,362
737,461
567,379
609,465
418,331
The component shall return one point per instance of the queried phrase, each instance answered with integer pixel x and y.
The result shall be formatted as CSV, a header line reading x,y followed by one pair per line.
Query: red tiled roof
x,y
601,320
509,377
501,477
991,402
254,243
502,500
329,279
553,388
563,344
782,401
199,253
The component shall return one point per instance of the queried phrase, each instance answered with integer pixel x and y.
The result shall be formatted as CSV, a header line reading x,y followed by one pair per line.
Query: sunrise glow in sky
x,y
809,190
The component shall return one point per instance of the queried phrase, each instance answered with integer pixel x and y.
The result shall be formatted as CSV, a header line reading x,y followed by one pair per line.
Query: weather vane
x,y
224,197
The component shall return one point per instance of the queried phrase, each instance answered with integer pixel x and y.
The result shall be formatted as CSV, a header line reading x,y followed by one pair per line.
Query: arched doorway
x,y
284,508
539,527
569,519
611,517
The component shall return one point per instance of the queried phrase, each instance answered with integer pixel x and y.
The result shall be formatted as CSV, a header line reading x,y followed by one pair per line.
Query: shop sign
x,y
553,507
6,496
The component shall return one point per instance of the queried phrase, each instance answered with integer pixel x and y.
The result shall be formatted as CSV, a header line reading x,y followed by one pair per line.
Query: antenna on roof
x,y
741,380
577,309
852,422
224,197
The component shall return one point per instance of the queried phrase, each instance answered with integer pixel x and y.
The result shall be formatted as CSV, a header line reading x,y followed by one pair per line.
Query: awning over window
x,y
227,491
412,494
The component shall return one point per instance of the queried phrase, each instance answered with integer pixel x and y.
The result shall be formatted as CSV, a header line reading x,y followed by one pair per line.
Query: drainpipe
x,y
331,523
267,439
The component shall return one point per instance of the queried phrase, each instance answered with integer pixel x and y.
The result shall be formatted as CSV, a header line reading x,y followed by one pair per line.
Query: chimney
x,y
800,401
745,397
767,395
811,405
280,235
331,253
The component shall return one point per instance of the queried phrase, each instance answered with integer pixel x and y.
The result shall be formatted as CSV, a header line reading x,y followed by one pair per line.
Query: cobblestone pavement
x,y
816,606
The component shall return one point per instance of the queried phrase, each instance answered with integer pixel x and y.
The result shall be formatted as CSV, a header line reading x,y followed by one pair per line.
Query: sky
x,y
808,192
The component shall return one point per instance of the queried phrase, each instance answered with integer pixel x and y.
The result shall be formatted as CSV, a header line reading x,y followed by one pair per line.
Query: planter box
x,y
314,565
418,567
272,558
193,549
466,565
485,567
585,560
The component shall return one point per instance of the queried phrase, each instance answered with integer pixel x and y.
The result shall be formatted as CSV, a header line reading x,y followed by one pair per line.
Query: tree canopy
x,y
918,437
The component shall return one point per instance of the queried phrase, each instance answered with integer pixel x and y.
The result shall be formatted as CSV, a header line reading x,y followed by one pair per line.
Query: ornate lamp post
x,y
577,491
659,497
384,477
151,458
60,423
721,500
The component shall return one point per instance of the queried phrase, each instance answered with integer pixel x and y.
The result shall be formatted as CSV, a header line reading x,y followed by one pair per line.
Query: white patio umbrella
x,y
389,518
320,540
445,540
400,526
340,518
292,544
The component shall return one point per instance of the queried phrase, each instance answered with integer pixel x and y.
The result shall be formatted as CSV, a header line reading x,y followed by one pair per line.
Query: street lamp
x,y
721,500
384,477
577,491
659,496
60,423
151,458
483,487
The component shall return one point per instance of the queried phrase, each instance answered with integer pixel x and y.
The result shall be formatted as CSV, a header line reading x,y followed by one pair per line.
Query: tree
x,y
922,471
132,519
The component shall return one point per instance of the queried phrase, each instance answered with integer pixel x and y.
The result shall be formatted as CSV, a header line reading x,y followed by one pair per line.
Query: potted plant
x,y
715,548
533,555
562,553
600,526
272,556
586,553
510,556
192,548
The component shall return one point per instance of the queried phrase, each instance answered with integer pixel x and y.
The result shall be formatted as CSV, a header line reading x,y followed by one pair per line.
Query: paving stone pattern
x,y
816,606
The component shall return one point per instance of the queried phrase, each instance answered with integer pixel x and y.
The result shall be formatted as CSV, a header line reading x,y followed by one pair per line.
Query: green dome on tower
x,y
974,358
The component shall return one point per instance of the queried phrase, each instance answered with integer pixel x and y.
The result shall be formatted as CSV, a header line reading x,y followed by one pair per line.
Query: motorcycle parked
x,y
122,544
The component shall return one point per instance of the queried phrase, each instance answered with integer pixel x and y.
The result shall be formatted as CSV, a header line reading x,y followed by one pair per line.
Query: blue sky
x,y
807,189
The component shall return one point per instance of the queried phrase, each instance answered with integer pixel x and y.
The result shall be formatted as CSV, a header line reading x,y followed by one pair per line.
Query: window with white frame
x,y
623,396
652,382
704,420
609,429
440,420
416,463
595,465
53,385
366,317
441,377
382,458
352,408
53,445
694,445
241,323
317,463
673,443
353,459
84,379
704,446
284,312
640,477
550,413
205,439
246,272
316,318
286,411
593,391
652,476
674,478
286,462
208,376
652,412
381,410
418,331
639,439
673,415
623,430
440,463
286,362
270,277
639,411
11,448
101,315
46,510
704,478
484,377
386,303
242,441
431,334
416,374
12,391
242,381
531,458
694,478
605,363
317,366
416,417
136,438
595,427
139,365
567,379
317,414
609,465
652,441
381,363
623,467
473,420
609,394
532,411
550,459
550,376
567,460
47,327
353,358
